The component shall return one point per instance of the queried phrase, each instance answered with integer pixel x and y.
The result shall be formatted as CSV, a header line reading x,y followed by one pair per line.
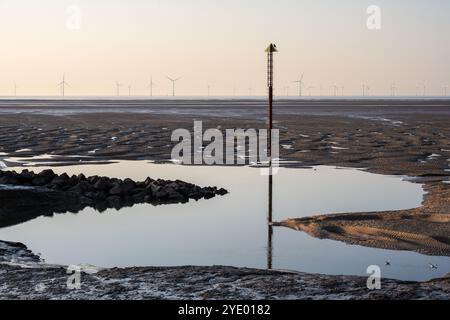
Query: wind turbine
x,y
15,89
63,84
129,90
209,90
173,84
424,89
336,88
366,90
309,90
151,84
118,85
250,90
300,85
445,90
286,91
342,90
393,90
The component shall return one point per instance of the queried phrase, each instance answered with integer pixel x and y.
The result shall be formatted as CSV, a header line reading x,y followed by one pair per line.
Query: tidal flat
x,y
361,179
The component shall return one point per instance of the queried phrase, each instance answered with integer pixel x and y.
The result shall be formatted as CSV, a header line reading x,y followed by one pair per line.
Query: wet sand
x,y
408,138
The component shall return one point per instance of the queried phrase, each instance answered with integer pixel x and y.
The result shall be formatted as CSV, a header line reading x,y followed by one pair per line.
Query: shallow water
x,y
230,230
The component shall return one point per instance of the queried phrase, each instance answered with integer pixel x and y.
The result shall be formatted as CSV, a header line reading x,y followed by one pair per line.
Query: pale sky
x,y
221,43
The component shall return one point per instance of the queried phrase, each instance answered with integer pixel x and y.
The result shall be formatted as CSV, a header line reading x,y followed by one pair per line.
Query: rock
x,y
60,180
148,181
139,197
114,201
43,178
76,189
90,195
93,179
128,185
76,192
222,192
174,195
209,195
153,188
138,190
101,184
116,189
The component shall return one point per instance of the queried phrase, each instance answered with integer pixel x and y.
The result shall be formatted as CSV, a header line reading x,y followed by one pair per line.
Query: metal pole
x,y
270,50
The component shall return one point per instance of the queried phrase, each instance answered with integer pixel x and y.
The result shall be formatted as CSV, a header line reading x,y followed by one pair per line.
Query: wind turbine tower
x,y
393,90
173,84
300,85
151,84
118,85
63,85
336,89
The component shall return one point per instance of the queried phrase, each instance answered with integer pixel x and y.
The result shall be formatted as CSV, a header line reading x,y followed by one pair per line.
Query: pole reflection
x,y
269,223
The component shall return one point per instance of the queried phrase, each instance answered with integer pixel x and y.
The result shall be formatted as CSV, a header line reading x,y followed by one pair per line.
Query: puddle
x,y
230,230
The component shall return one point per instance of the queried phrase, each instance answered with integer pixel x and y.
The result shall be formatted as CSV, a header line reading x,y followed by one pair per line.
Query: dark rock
x,y
138,190
128,185
101,184
50,193
148,181
114,201
222,192
116,189
93,179
139,197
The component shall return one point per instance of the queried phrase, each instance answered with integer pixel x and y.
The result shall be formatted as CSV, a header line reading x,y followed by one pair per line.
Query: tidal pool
x,y
230,230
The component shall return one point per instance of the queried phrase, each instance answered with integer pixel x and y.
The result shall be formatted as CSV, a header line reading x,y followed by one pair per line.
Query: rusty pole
x,y
270,50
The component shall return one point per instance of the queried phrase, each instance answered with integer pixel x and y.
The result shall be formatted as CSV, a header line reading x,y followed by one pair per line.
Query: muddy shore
x,y
401,138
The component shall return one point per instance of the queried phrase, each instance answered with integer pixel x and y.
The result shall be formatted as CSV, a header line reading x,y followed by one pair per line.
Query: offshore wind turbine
x,y
15,89
129,90
300,85
445,90
309,90
366,90
63,84
342,90
335,88
118,85
151,84
173,84
393,89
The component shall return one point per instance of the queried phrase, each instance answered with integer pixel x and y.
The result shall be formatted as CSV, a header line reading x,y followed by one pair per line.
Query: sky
x,y
221,44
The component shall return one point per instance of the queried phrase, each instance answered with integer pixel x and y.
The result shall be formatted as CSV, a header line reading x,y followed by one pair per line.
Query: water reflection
x,y
232,230
269,222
